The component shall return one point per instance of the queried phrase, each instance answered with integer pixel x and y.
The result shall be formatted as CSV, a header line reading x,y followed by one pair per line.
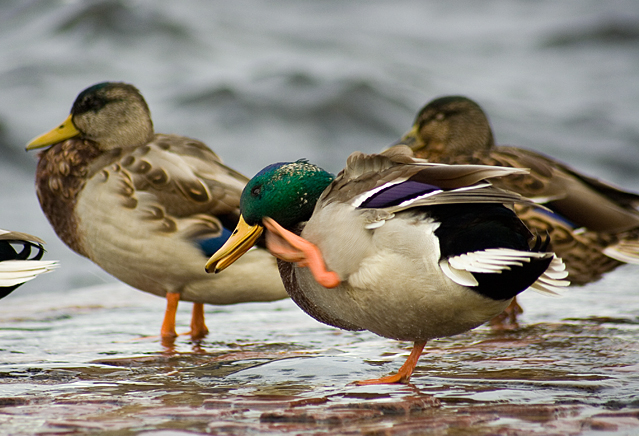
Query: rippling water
x,y
268,81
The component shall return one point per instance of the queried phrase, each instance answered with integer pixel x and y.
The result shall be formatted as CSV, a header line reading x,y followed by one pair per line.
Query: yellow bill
x,y
410,138
64,131
241,241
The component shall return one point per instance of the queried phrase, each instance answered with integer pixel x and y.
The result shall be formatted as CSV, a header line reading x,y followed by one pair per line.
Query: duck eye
x,y
440,116
256,191
91,104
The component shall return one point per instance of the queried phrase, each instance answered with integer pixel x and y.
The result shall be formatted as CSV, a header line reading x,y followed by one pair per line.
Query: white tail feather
x,y
15,272
553,280
459,276
495,260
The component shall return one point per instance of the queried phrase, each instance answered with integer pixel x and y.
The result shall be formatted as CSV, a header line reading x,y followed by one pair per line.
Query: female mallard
x,y
20,266
593,226
394,245
148,208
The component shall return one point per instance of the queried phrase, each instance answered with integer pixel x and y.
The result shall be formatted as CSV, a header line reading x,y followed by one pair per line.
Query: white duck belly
x,y
392,283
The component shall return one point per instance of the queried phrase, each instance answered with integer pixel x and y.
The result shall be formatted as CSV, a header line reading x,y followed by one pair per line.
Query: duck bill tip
x,y
241,240
215,266
211,267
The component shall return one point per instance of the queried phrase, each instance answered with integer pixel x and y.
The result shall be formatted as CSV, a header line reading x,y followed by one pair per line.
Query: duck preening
x,y
406,249
147,208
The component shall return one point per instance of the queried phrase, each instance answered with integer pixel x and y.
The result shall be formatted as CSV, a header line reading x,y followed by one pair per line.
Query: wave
x,y
296,96
118,18
611,30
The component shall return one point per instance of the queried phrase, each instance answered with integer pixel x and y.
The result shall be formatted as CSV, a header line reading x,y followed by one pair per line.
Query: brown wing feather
x,y
171,178
580,251
583,200
366,172
184,176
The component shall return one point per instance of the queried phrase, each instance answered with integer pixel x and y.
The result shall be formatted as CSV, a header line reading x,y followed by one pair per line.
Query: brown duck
x,y
147,208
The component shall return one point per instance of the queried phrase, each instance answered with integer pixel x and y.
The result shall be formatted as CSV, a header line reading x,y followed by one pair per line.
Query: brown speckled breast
x,y
60,176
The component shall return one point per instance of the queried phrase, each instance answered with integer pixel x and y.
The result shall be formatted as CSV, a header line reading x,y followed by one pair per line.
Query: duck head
x,y
449,126
111,114
283,192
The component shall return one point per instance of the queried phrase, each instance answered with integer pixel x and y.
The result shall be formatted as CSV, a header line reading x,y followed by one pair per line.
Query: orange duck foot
x,y
404,373
507,320
198,327
287,246
167,332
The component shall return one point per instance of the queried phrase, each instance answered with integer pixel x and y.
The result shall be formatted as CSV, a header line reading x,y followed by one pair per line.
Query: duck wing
x,y
174,179
398,181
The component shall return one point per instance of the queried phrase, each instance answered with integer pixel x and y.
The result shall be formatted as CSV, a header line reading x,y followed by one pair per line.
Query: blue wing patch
x,y
210,245
557,216
398,193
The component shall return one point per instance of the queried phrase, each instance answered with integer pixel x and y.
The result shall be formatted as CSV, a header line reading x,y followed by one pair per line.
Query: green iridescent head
x,y
286,192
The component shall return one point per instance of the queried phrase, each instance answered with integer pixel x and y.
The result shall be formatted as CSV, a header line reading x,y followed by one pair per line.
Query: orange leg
x,y
404,373
288,246
507,320
167,332
198,328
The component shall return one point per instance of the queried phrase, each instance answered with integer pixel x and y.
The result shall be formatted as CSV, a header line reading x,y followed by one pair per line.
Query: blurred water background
x,y
266,81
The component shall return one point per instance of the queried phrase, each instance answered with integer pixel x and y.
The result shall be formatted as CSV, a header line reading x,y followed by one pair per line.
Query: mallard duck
x,y
405,249
20,266
593,226
147,208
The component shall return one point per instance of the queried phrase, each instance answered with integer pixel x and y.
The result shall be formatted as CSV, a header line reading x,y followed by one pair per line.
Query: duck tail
x,y
554,279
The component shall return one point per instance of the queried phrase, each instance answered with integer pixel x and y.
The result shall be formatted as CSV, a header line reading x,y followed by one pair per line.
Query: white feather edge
x,y
15,272
491,172
460,268
624,251
359,199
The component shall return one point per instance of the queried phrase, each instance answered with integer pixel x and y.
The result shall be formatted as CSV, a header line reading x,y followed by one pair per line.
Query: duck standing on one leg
x,y
403,248
593,226
147,208
20,266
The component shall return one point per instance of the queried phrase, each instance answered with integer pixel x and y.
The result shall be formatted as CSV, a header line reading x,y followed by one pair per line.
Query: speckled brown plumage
x,y
61,174
64,168
581,252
